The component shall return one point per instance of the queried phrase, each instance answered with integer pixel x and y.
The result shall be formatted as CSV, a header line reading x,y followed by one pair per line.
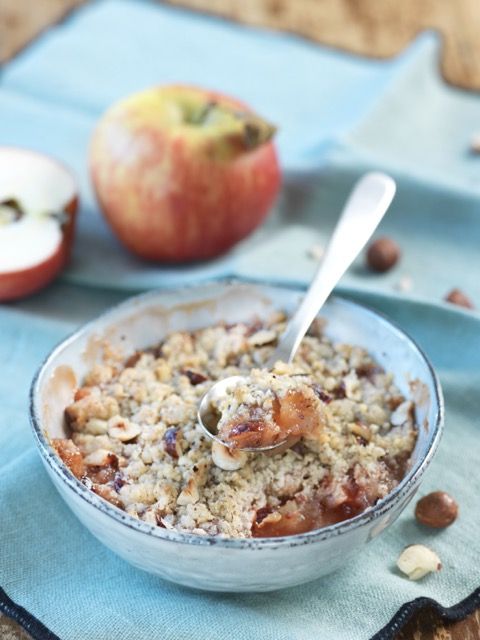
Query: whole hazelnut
x,y
456,296
383,254
437,510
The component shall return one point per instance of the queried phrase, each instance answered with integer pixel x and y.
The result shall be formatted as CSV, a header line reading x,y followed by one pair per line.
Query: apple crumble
x,y
134,438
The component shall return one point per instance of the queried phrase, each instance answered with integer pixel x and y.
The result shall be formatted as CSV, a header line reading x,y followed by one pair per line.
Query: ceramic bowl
x,y
215,563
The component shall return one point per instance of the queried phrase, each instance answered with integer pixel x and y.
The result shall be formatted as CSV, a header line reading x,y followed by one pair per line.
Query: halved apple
x,y
38,203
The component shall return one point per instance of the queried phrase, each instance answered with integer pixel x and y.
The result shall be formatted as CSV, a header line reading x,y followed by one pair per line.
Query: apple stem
x,y
256,130
253,132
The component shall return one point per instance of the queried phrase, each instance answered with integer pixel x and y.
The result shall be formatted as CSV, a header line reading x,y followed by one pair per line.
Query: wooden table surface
x,y
376,28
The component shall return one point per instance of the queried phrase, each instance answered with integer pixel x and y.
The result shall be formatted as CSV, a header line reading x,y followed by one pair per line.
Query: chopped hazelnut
x,y
262,337
189,494
227,459
417,560
456,296
361,430
122,429
96,426
98,458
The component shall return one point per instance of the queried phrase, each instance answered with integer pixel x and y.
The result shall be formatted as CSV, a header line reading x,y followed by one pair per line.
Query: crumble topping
x,y
135,440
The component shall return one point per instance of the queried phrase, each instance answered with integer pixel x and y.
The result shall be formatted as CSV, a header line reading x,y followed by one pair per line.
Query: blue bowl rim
x,y
399,493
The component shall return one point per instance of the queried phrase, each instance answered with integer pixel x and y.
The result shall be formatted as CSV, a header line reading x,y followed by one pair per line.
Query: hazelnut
x,y
227,459
459,298
123,429
262,337
189,494
360,430
436,510
96,426
417,560
383,254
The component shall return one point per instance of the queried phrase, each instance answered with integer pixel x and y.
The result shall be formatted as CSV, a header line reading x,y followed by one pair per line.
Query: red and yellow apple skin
x,y
183,174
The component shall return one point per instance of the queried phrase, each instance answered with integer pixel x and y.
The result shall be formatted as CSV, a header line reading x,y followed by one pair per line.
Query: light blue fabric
x,y
52,566
338,116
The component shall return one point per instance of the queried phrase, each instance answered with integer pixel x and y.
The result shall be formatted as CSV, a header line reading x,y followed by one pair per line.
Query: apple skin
x,y
19,284
175,192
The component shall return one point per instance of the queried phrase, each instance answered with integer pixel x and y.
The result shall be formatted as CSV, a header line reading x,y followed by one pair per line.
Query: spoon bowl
x,y
208,418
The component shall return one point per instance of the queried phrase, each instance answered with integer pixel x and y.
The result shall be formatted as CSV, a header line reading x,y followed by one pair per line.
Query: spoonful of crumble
x,y
271,409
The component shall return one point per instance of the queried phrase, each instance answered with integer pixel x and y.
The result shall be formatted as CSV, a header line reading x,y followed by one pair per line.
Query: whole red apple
x,y
38,203
182,173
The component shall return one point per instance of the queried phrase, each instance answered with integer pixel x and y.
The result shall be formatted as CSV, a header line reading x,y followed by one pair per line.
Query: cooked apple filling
x,y
134,438
267,409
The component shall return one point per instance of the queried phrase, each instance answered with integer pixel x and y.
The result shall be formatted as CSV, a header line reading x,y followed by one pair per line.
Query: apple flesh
x,y
183,174
38,204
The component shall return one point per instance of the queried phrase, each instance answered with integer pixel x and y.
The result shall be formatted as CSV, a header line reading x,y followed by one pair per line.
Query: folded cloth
x,y
54,568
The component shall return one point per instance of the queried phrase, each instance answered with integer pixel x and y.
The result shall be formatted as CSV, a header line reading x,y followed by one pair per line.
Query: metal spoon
x,y
361,215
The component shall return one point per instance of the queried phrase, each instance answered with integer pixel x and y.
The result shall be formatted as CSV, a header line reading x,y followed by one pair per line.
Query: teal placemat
x,y
54,568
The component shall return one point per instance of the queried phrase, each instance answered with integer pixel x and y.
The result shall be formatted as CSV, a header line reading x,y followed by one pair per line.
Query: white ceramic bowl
x,y
215,563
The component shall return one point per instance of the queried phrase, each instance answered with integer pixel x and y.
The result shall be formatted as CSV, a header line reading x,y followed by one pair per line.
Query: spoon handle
x,y
361,215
